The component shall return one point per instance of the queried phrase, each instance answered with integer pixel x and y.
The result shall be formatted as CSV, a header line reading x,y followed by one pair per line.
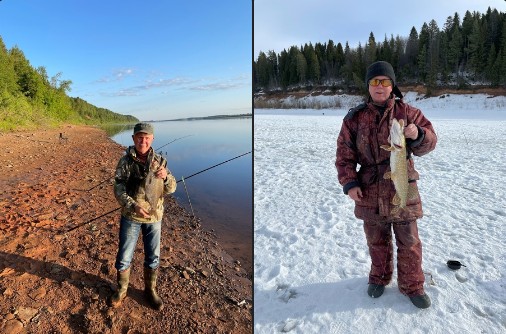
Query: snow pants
x,y
410,276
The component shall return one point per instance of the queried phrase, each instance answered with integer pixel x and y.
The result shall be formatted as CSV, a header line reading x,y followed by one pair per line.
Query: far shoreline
x,y
215,117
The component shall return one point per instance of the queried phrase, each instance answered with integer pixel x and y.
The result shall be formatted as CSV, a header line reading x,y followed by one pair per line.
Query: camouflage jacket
x,y
362,133
131,186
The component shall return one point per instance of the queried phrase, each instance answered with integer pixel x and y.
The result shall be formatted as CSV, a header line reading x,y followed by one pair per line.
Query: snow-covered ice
x,y
311,261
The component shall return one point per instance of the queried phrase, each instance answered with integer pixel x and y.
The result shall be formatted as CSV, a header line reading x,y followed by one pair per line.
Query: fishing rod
x,y
104,181
221,163
184,183
172,142
182,179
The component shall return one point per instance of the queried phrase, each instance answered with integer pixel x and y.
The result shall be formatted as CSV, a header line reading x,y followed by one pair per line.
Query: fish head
x,y
154,166
397,139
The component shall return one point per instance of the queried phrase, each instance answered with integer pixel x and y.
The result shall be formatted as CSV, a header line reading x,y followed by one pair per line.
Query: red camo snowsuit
x,y
362,133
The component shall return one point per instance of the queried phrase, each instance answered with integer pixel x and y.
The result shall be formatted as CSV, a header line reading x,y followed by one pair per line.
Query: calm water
x,y
221,196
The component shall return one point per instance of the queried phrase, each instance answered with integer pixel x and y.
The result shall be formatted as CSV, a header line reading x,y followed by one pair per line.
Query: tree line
x,y
29,97
462,53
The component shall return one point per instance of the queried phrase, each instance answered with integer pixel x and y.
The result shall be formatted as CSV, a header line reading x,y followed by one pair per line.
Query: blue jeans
x,y
128,235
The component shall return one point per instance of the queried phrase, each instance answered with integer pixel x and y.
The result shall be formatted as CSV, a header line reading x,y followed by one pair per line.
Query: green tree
x,y
262,70
476,48
331,66
370,50
7,74
293,65
347,68
284,69
411,54
493,66
424,52
302,68
312,64
467,29
455,47
30,83
434,52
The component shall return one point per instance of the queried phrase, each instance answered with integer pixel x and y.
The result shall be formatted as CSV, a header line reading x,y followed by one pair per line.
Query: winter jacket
x,y
130,184
362,133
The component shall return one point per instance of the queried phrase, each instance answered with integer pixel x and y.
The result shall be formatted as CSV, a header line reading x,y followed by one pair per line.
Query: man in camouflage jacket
x,y
139,189
364,129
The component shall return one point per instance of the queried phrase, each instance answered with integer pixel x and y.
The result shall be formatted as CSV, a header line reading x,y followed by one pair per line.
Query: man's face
x,y
142,142
380,94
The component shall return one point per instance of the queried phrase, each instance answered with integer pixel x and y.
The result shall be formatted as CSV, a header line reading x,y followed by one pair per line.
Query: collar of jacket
x,y
133,154
382,110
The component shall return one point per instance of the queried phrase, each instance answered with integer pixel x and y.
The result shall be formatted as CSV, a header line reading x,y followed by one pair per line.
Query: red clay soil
x,y
57,280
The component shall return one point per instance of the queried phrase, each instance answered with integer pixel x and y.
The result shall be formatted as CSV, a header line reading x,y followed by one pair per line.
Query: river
x,y
221,196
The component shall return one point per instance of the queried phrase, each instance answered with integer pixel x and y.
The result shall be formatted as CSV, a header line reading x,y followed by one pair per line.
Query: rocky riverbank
x,y
56,272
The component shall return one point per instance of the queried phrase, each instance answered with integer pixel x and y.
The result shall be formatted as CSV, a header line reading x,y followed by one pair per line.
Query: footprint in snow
x,y
461,278
289,326
285,293
499,213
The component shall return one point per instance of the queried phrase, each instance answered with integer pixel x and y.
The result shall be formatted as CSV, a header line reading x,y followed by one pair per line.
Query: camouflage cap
x,y
143,127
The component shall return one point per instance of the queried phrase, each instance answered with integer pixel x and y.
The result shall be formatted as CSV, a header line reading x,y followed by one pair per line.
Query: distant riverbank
x,y
218,117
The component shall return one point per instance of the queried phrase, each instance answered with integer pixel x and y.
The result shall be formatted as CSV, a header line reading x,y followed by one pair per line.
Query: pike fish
x,y
398,166
153,188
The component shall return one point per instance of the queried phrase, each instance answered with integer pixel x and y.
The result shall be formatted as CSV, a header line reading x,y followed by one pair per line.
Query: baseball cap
x,y
143,127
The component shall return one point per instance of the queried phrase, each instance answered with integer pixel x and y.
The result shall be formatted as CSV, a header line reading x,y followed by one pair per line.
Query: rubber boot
x,y
421,301
120,294
375,290
150,276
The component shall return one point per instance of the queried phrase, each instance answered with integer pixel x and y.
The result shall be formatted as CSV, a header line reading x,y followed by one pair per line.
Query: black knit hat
x,y
382,68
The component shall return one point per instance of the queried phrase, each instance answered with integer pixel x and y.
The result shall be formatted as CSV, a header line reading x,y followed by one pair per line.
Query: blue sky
x,y
154,60
277,28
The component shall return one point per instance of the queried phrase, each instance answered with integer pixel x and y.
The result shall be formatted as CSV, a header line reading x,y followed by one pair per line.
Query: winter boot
x,y
375,290
421,301
150,276
120,294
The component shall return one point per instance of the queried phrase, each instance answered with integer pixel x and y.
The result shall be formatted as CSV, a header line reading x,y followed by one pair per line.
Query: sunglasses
x,y
383,82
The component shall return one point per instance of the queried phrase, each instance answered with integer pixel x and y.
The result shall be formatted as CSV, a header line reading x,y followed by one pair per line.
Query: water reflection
x,y
221,196
114,129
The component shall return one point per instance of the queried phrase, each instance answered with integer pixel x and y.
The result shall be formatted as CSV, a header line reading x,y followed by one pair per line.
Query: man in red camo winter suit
x,y
364,129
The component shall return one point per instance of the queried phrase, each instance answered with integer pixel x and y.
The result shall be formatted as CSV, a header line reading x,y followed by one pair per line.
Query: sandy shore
x,y
53,280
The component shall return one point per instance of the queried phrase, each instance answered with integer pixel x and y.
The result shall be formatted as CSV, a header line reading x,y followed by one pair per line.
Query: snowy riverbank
x,y
311,259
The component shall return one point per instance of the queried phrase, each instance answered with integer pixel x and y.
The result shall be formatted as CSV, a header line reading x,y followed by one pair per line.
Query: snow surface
x,y
311,261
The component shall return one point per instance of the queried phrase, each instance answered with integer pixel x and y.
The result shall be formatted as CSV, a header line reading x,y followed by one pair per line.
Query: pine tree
x,y
467,29
302,68
455,47
262,69
476,49
411,54
492,67
272,60
424,52
331,60
340,59
312,64
284,69
370,50
434,53
347,69
398,46
293,64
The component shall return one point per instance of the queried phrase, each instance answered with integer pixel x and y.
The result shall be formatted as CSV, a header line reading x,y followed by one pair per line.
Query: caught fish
x,y
398,165
153,188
